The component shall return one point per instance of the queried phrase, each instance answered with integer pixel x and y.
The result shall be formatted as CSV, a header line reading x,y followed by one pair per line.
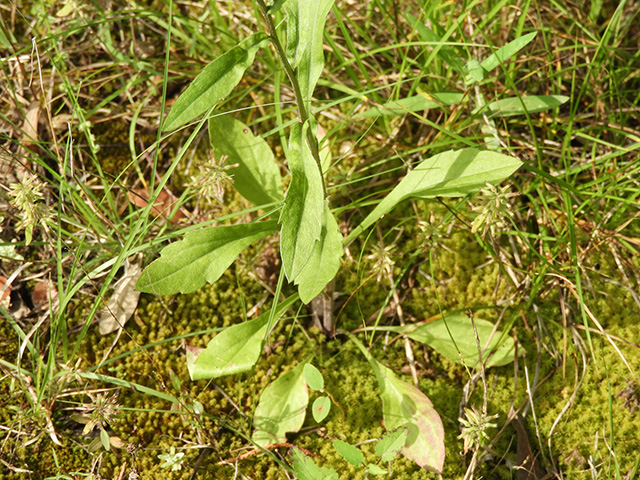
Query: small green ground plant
x,y
311,244
551,256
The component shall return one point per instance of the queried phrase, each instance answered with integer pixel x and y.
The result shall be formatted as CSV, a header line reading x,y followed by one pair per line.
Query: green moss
x,y
464,276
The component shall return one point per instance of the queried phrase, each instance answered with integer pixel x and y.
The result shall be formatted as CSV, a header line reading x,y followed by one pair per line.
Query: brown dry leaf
x,y
123,301
163,206
5,289
116,442
60,121
30,124
42,293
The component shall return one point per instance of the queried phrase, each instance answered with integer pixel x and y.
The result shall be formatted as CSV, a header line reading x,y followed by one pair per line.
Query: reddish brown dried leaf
x,y
5,290
42,292
164,204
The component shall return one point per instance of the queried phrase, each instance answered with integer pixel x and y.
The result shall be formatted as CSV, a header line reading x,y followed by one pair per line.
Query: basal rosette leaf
x,y
201,257
453,336
404,406
281,408
235,349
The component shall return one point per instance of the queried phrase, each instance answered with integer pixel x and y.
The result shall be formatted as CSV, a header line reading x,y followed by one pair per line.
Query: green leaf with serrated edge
x,y
215,82
444,334
520,105
306,469
302,215
351,454
324,263
449,174
321,408
405,406
391,443
201,257
257,176
445,52
313,377
415,103
374,469
235,349
281,408
509,50
305,30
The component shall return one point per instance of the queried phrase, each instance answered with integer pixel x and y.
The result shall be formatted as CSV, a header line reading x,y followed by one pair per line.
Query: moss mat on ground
x,y
578,400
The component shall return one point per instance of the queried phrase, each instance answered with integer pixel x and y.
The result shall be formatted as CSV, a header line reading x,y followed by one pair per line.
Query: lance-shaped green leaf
x,y
305,29
415,103
405,406
214,82
509,50
303,214
235,349
511,106
324,263
351,454
281,408
454,333
257,176
201,257
449,174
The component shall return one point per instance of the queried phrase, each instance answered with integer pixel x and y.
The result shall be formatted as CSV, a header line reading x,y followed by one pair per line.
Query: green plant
x,y
387,448
172,459
311,245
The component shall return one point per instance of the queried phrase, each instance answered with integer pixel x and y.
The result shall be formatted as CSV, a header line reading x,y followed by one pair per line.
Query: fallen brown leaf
x,y
5,289
42,293
164,204
30,124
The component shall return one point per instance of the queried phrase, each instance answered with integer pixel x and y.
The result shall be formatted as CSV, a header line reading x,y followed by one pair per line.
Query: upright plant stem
x,y
302,110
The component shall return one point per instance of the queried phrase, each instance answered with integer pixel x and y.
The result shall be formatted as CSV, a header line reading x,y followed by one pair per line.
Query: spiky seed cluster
x,y
496,210
213,177
101,412
474,428
27,197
